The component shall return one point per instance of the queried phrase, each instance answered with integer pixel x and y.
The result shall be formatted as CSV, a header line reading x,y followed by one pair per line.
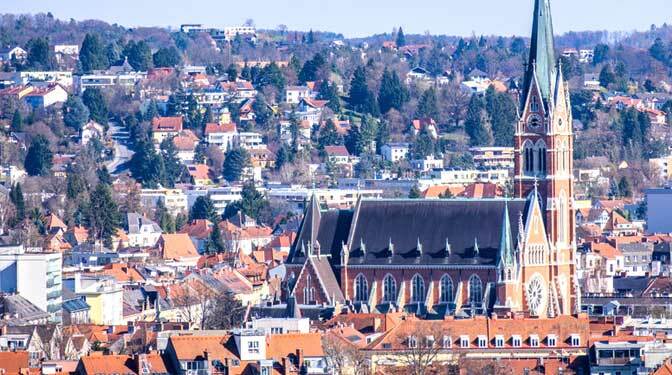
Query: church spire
x,y
541,63
505,242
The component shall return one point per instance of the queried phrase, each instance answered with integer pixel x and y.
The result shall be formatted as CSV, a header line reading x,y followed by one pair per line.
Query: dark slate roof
x,y
327,278
332,230
463,222
542,52
636,284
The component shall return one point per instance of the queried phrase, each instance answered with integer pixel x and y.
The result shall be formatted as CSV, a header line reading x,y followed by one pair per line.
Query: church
x,y
461,257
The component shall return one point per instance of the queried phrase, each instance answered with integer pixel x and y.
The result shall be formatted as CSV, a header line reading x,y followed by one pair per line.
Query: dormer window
x,y
499,341
412,342
464,341
447,342
516,341
575,340
534,341
552,340
482,341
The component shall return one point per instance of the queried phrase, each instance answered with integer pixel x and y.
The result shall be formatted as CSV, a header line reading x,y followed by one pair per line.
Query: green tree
x,y
38,54
94,100
139,55
232,73
262,111
17,121
328,91
475,123
600,53
75,186
361,99
167,57
310,68
103,217
75,113
252,203
38,160
428,106
392,93
660,51
502,113
414,193
203,209
329,135
173,167
164,218
607,76
401,38
104,176
271,75
16,197
215,241
624,188
235,161
146,165
93,55
423,145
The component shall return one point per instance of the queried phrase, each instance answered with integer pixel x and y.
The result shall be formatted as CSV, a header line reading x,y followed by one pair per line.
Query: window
x,y
361,288
575,340
389,289
417,289
540,157
253,347
534,341
412,342
551,340
308,291
446,289
534,104
482,341
475,290
499,341
516,341
447,342
464,341
528,158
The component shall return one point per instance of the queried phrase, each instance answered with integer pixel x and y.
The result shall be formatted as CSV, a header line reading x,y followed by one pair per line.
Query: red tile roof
x,y
220,128
167,124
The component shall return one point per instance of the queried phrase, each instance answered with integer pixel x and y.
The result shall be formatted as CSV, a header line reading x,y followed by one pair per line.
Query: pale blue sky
x,y
362,17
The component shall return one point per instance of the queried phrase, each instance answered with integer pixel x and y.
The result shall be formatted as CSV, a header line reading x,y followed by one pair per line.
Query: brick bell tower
x,y
543,144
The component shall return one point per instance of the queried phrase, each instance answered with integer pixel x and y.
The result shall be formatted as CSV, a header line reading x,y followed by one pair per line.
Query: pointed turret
x,y
448,248
315,216
475,247
541,63
505,241
419,246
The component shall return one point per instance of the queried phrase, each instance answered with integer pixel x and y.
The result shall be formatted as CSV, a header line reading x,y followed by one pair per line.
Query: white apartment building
x,y
493,157
465,177
250,140
105,80
174,200
62,78
395,152
36,276
298,196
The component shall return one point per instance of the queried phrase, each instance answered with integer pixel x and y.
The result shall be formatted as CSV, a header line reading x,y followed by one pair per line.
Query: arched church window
x,y
475,289
361,288
528,159
534,104
417,289
446,289
389,289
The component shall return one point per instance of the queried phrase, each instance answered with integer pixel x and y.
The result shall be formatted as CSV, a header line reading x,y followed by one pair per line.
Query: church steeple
x,y
541,63
505,242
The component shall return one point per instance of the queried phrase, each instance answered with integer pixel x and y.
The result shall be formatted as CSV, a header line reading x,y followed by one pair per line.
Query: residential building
x,y
175,200
36,276
178,247
103,80
427,164
142,232
294,94
43,97
395,152
38,78
297,196
166,127
221,135
663,166
250,140
103,295
13,53
493,157
337,154
98,364
91,130
425,124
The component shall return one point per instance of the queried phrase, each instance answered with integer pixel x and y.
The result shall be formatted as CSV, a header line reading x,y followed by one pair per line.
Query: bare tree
x,y
344,357
6,211
192,299
421,348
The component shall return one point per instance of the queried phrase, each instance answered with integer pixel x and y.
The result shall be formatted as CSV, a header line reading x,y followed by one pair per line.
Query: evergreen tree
x,y
414,193
401,38
624,187
17,122
502,114
139,55
113,52
38,160
475,123
600,53
252,203
39,54
164,218
428,105
328,91
75,185
146,165
16,197
235,161
393,93
174,169
203,209
660,51
104,176
607,76
232,73
310,68
75,113
103,214
329,135
264,114
361,98
423,145
92,55
94,100
215,241
167,57
271,75
310,39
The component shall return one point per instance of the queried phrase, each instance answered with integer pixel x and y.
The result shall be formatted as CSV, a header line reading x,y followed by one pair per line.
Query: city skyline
x,y
363,19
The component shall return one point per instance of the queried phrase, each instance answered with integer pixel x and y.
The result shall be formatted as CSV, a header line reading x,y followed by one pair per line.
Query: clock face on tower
x,y
536,293
534,122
